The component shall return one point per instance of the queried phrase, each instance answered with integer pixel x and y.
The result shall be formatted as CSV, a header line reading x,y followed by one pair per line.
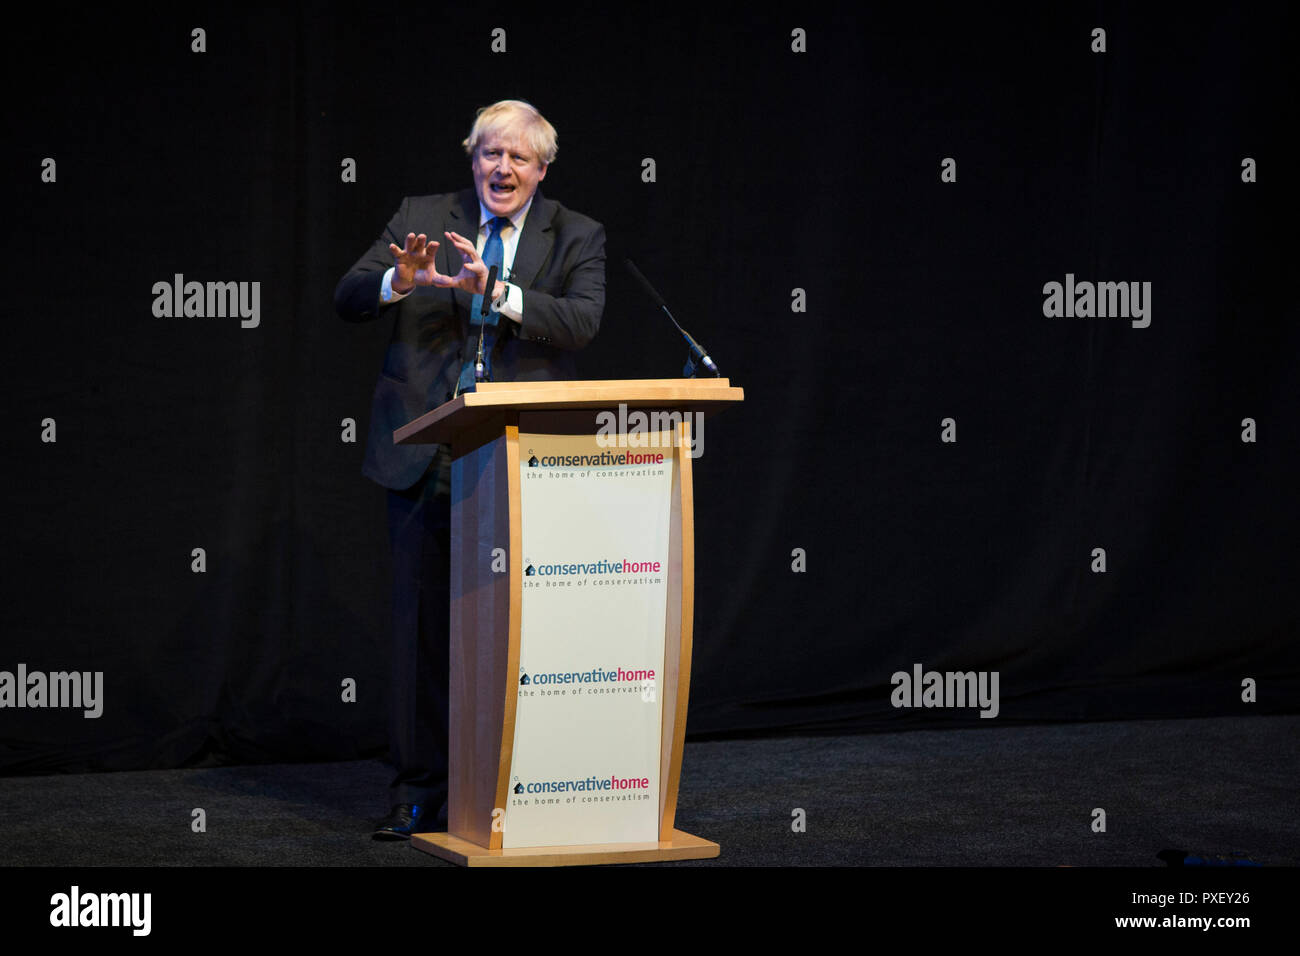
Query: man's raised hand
x,y
472,277
414,265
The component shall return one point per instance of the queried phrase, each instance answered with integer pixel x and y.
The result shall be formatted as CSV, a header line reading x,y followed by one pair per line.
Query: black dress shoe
x,y
401,822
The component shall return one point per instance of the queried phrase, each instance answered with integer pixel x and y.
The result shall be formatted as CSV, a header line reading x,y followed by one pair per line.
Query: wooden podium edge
x,y
678,626
682,846
514,628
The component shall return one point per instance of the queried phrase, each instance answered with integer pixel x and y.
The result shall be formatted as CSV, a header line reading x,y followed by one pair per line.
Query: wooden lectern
x,y
572,566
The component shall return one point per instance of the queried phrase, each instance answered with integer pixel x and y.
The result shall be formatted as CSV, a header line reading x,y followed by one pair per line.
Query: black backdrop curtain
x,y
775,171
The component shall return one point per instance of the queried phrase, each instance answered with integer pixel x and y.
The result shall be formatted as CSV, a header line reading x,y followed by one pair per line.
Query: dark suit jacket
x,y
559,263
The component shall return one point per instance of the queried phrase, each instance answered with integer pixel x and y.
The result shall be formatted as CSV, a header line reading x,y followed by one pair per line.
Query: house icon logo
x,y
524,681
530,571
519,788
532,459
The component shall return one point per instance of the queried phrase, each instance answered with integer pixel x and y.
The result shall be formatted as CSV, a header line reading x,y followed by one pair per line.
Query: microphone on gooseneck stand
x,y
697,351
487,302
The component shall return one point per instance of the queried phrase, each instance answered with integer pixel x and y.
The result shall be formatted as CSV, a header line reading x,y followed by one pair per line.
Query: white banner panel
x,y
595,556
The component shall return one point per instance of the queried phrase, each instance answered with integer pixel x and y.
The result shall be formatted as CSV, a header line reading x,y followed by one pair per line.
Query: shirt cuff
x,y
386,293
511,303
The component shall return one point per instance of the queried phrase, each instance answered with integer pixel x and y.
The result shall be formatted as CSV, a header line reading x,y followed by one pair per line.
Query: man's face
x,y
506,172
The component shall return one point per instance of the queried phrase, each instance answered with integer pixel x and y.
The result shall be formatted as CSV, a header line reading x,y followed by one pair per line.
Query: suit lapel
x,y
534,242
463,219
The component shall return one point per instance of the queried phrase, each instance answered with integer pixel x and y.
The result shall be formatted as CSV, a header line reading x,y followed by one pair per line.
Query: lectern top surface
x,y
494,399
665,390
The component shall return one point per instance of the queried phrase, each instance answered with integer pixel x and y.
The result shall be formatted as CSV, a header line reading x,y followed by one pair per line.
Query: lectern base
x,y
682,846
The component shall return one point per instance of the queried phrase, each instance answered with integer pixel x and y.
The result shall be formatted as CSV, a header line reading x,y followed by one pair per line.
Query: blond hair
x,y
514,116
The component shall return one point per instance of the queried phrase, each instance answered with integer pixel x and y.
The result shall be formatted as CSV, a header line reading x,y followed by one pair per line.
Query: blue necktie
x,y
493,255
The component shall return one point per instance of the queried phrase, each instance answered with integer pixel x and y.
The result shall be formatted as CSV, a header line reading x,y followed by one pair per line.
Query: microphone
x,y
487,302
697,351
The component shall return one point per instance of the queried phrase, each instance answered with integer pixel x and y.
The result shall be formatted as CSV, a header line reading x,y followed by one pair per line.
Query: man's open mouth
x,y
502,188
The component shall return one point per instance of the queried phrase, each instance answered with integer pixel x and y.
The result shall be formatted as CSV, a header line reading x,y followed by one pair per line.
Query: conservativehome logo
x,y
947,689
589,784
600,568
656,429
597,675
1102,300
604,460
213,300
75,689
75,908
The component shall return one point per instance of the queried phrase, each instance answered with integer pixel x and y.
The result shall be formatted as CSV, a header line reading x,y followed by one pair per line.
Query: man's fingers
x,y
440,280
461,243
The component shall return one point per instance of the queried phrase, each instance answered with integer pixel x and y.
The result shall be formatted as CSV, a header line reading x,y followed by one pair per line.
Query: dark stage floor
x,y
1006,796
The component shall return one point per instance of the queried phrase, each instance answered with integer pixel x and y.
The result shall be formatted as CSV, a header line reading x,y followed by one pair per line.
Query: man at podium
x,y
428,272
